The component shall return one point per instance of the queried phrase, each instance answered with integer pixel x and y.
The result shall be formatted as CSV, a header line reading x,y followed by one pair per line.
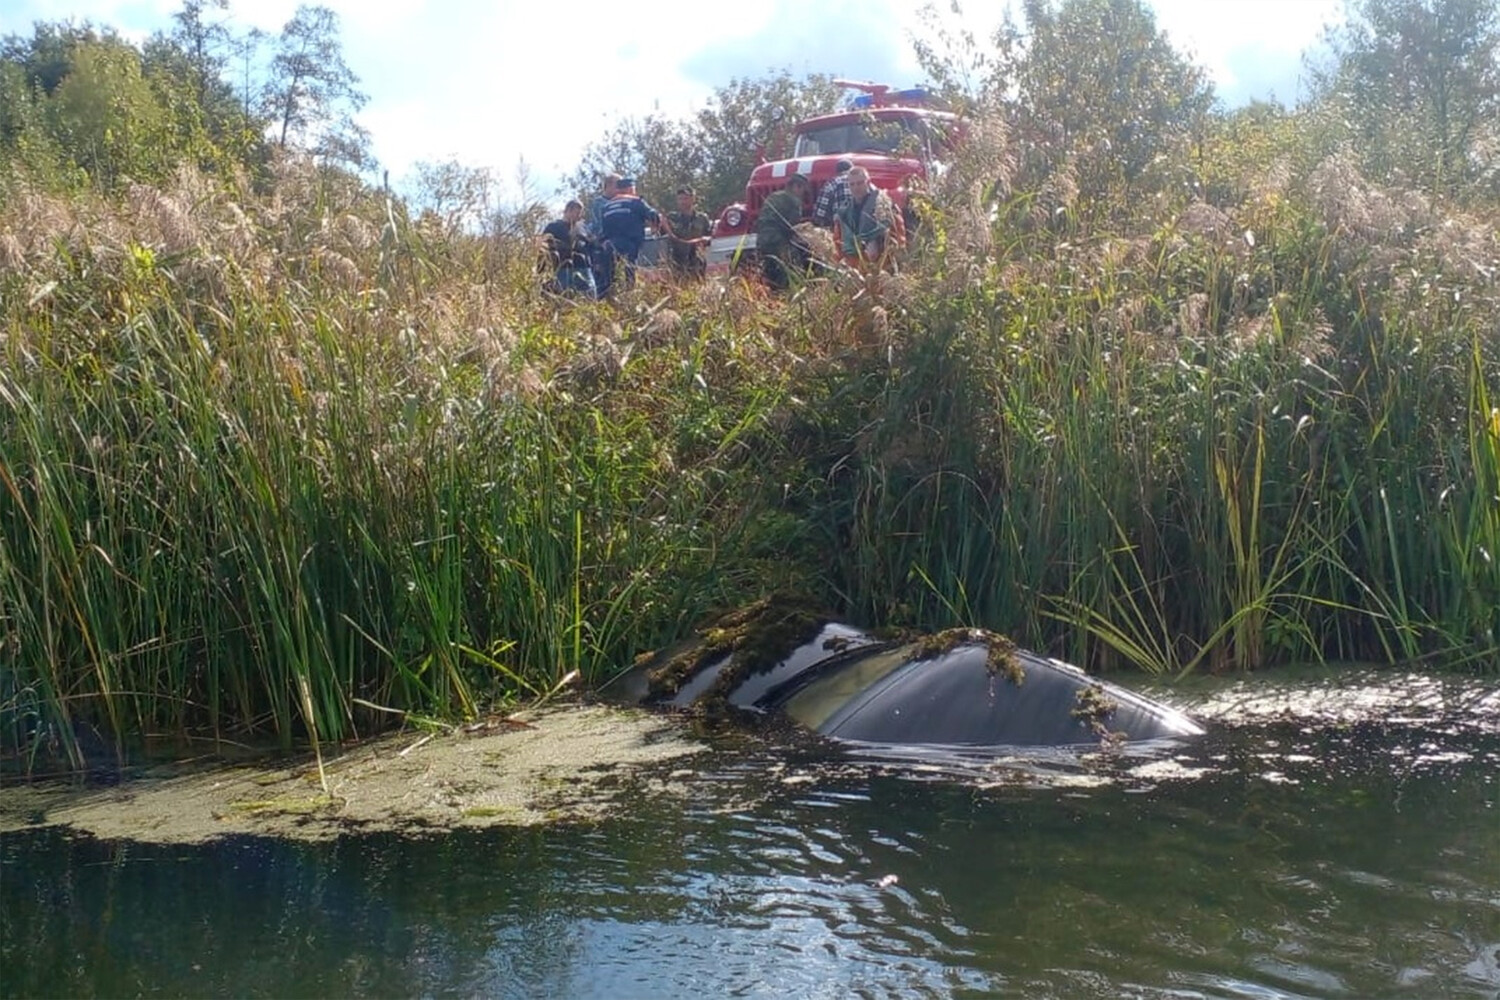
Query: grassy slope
x,y
290,459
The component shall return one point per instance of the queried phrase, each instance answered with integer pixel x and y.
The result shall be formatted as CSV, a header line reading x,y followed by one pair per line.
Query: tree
x,y
190,65
25,142
76,102
1419,83
1096,84
714,150
959,64
205,43
742,115
109,117
312,93
663,153
461,196
17,104
46,57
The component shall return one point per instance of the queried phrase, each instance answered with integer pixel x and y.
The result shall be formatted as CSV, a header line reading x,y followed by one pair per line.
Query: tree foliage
x,y
81,104
205,43
85,103
459,196
713,150
662,153
108,112
1418,85
1096,84
1089,94
742,115
312,93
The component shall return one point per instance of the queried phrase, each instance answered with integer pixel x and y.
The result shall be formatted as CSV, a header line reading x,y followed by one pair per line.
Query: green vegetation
x,y
716,149
279,456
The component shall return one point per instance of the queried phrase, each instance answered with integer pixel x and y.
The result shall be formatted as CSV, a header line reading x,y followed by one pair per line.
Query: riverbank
x,y
285,461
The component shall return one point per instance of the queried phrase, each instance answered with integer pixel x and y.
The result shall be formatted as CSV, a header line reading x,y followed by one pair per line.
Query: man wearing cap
x,y
690,233
623,226
782,251
834,197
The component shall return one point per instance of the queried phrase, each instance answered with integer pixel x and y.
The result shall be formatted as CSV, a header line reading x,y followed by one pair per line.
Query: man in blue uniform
x,y
594,223
623,226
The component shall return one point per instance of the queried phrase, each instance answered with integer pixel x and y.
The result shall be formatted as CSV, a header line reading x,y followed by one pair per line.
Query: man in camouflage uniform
x,y
689,235
782,251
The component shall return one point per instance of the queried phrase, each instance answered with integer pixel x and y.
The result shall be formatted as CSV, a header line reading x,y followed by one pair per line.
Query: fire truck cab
x,y
896,135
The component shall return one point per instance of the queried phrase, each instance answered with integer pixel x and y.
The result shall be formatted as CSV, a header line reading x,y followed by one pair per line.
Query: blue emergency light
x,y
911,96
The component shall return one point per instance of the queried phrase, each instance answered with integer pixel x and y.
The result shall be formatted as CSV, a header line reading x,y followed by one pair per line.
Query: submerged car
x,y
959,688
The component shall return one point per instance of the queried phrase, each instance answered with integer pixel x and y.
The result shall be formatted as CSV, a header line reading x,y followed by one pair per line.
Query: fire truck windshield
x,y
893,136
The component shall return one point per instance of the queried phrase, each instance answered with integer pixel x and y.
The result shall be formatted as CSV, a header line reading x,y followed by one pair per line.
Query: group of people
x,y
589,255
867,225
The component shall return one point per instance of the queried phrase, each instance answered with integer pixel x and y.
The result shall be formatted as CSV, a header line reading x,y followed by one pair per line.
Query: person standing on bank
x,y
595,223
690,234
623,226
782,251
569,251
600,259
834,197
870,225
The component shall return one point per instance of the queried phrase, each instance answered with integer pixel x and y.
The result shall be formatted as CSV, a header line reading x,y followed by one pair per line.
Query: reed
x,y
257,499
295,465
1209,446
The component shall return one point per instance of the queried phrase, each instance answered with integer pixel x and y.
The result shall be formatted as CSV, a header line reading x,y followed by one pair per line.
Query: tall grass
x,y
269,501
1229,439
293,464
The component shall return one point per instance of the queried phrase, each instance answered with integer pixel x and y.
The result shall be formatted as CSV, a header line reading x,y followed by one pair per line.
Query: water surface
x,y
1295,855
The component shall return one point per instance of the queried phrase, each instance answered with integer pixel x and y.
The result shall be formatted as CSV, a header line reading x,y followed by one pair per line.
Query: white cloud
x,y
491,86
1251,47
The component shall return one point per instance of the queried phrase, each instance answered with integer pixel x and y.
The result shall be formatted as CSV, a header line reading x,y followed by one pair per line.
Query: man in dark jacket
x,y
569,253
782,251
623,226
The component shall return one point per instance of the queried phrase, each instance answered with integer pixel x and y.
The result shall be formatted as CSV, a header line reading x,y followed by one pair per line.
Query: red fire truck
x,y
893,134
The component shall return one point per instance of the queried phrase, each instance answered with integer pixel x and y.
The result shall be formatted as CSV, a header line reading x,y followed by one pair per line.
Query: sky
x,y
522,86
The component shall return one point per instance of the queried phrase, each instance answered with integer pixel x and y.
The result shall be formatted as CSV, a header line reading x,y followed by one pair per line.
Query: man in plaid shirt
x,y
834,197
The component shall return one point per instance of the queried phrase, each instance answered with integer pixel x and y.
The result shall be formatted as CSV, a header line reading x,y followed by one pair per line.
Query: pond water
x,y
1343,853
